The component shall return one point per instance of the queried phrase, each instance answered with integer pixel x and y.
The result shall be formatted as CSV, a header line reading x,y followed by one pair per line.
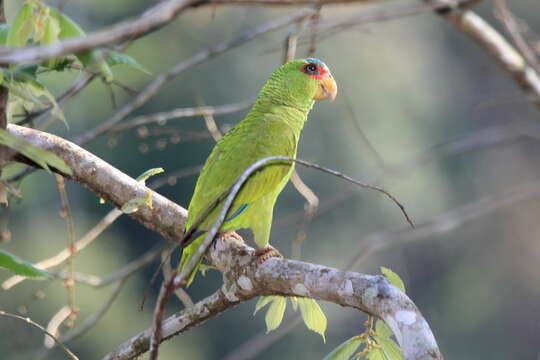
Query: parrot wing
x,y
239,149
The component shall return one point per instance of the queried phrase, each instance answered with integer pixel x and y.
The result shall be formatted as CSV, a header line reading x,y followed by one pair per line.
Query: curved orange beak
x,y
327,88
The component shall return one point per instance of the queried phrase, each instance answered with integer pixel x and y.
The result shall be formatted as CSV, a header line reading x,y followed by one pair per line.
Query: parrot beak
x,y
327,88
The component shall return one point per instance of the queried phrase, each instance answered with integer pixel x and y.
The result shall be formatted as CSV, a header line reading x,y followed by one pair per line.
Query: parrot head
x,y
299,82
326,85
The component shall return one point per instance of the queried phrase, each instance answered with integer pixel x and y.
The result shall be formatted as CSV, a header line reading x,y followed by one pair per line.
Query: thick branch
x,y
244,279
203,310
150,20
493,42
109,183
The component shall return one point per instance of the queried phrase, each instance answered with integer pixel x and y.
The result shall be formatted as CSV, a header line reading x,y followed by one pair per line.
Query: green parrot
x,y
271,128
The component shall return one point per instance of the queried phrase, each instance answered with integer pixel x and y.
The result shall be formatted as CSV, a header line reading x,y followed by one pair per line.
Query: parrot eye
x,y
311,69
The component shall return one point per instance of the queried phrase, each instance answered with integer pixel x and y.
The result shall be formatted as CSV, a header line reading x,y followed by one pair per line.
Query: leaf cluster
x,y
376,344
310,310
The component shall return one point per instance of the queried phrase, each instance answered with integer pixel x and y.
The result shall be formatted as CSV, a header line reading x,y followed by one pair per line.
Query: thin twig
x,y
163,117
209,121
65,254
445,222
164,293
381,163
313,23
54,324
180,293
89,322
152,19
31,322
493,42
65,213
92,320
171,178
152,88
96,281
356,182
310,208
513,29
80,84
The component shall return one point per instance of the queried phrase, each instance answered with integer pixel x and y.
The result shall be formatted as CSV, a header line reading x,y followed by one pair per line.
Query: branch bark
x,y
109,183
244,279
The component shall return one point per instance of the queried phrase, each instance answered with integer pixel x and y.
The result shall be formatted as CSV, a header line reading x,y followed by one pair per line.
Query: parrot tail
x,y
188,252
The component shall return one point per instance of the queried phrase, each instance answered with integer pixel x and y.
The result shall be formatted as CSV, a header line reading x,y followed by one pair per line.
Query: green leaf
x,y
28,90
346,349
382,329
393,278
376,354
43,158
4,30
151,172
389,348
92,59
68,27
51,35
262,302
313,315
275,312
22,27
98,61
116,58
133,205
19,266
26,72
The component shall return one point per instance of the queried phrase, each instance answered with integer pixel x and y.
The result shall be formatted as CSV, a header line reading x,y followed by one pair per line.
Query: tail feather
x,y
188,252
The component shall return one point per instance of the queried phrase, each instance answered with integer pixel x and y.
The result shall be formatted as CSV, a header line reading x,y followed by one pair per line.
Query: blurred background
x,y
422,111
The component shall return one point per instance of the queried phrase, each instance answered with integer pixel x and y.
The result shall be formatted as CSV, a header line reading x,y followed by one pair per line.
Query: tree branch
x,y
244,279
159,81
109,183
150,20
493,42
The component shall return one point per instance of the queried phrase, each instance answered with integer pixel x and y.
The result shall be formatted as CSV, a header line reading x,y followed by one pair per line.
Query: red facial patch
x,y
316,73
322,71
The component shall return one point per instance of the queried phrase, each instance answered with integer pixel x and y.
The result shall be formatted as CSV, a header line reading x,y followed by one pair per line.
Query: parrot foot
x,y
227,234
266,253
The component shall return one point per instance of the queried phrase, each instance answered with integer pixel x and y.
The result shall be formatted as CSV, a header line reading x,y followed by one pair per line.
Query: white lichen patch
x,y
405,317
244,260
301,289
346,289
370,293
230,293
244,283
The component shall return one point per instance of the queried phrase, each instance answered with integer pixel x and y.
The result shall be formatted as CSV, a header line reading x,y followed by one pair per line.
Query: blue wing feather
x,y
237,212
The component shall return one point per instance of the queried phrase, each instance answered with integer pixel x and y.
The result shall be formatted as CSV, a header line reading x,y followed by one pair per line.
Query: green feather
x,y
272,127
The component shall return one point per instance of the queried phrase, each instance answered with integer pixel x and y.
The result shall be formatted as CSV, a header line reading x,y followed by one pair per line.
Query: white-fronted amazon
x,y
271,128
